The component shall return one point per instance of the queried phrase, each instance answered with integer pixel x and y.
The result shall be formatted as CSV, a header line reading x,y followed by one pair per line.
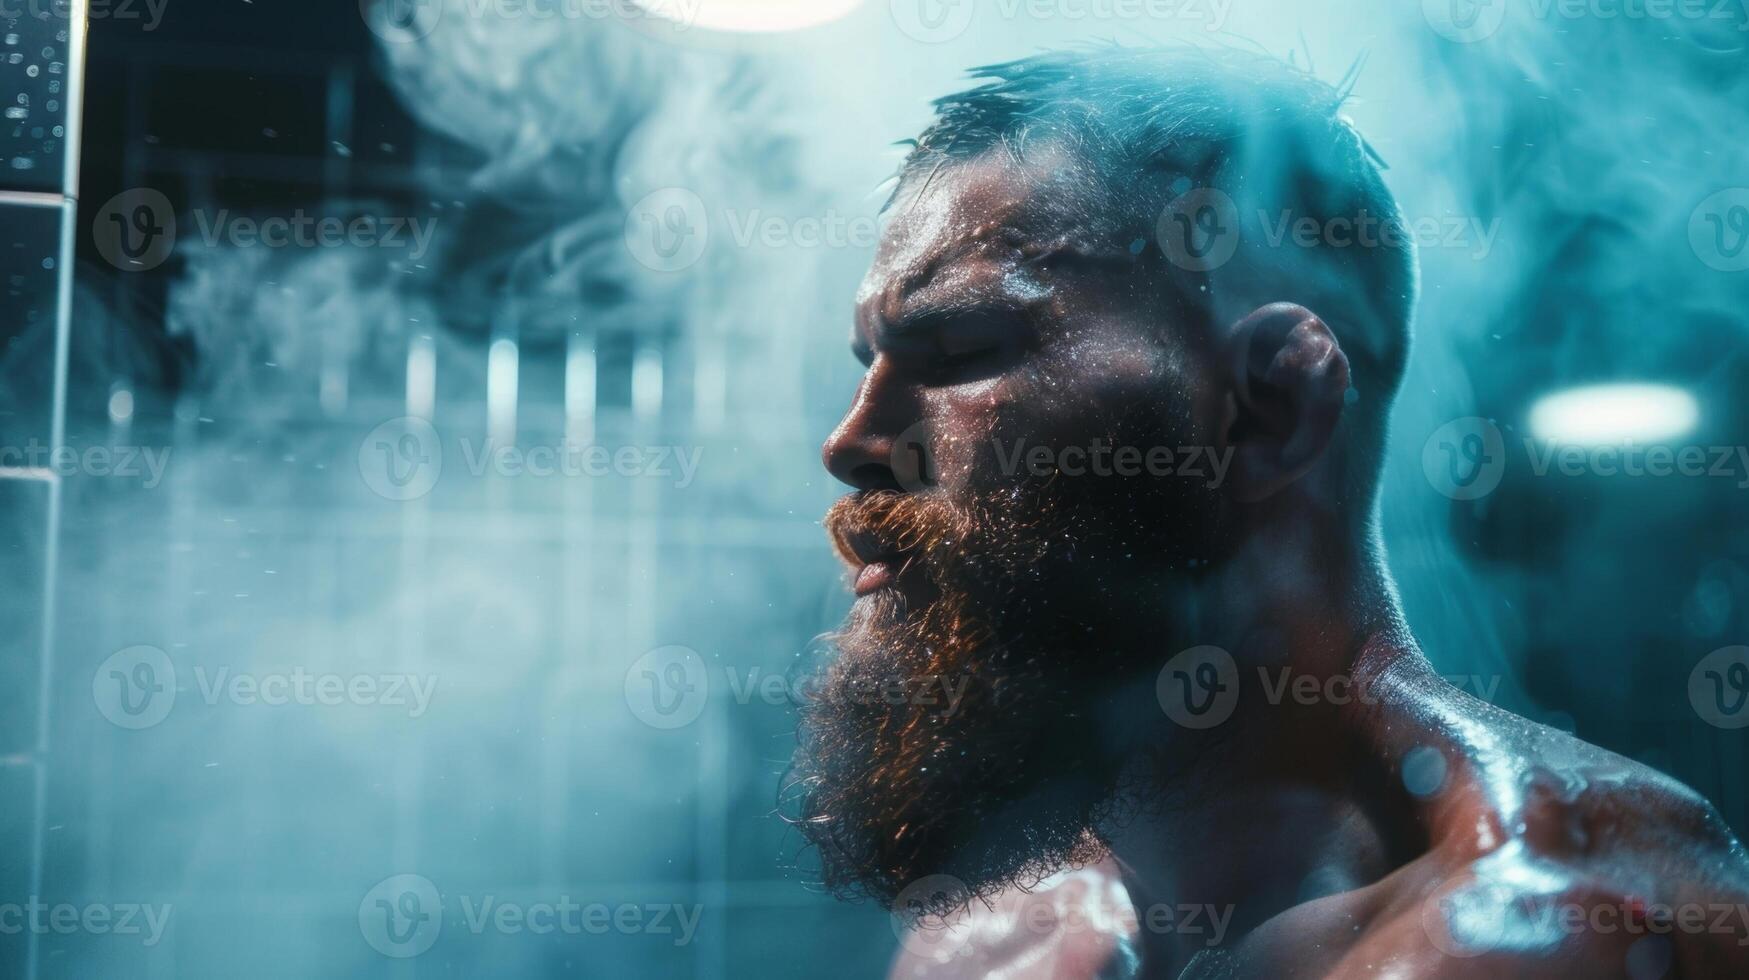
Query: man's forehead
x,y
973,222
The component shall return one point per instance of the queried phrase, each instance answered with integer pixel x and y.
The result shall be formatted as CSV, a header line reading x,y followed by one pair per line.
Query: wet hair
x,y
1153,123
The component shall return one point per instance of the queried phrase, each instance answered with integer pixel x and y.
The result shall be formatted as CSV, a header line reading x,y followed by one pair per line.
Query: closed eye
x,y
971,365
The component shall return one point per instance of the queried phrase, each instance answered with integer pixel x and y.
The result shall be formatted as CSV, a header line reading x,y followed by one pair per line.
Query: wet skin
x,y
1505,849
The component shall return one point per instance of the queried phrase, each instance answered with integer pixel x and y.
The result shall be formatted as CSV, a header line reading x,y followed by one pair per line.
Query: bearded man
x,y
1114,461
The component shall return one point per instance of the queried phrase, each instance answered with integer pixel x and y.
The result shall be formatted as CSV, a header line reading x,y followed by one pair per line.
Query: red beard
x,y
894,780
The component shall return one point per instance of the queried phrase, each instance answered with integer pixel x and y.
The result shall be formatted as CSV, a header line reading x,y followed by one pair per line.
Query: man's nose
x,y
860,451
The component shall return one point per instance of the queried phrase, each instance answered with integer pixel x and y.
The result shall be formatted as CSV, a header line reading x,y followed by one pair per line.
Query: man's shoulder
x,y
1575,861
1563,801
1552,857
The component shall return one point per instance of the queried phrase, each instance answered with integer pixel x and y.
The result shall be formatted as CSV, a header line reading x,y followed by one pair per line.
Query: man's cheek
x,y
966,444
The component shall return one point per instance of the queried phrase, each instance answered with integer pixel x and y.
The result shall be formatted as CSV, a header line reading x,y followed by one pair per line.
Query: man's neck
x,y
1292,797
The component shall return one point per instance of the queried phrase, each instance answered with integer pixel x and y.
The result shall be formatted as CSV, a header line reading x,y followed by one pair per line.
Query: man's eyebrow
x,y
928,318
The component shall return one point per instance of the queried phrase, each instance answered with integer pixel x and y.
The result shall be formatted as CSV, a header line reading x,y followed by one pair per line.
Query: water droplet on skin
x,y
1424,771
1649,958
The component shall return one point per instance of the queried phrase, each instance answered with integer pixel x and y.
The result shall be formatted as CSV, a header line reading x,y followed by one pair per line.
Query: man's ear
x,y
1286,392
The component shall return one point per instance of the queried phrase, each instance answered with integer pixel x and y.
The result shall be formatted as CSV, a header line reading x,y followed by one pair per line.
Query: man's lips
x,y
874,562
877,575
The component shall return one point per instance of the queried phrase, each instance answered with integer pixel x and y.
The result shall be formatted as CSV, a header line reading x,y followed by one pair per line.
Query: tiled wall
x,y
41,60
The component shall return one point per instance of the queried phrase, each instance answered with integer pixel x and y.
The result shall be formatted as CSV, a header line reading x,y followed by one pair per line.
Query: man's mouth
x,y
877,567
876,564
877,575
881,540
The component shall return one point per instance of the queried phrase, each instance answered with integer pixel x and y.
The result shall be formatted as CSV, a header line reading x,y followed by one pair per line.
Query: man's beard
x,y
892,781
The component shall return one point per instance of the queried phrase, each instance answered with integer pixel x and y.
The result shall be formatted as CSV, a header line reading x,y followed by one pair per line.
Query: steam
x,y
1589,140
